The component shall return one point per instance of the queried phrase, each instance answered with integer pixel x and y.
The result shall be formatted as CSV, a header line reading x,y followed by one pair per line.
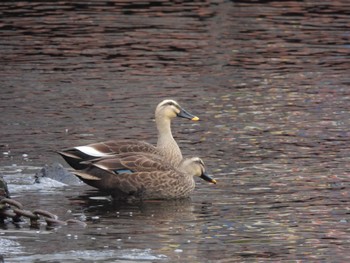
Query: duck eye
x,y
171,103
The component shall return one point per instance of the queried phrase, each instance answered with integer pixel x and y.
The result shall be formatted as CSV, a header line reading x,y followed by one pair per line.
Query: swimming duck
x,y
143,176
166,145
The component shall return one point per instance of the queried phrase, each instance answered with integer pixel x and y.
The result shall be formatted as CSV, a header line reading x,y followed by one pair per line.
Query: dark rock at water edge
x,y
4,192
57,172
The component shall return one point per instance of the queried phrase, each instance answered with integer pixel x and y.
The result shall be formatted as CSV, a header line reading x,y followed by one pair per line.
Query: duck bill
x,y
208,178
185,114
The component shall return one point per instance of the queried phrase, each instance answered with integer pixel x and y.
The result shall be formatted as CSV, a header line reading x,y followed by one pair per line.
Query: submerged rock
x,y
57,172
4,192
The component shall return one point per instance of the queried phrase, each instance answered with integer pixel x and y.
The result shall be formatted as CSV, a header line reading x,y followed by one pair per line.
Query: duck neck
x,y
186,168
166,143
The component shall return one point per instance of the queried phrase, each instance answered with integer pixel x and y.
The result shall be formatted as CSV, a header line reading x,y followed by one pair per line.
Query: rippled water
x,y
270,82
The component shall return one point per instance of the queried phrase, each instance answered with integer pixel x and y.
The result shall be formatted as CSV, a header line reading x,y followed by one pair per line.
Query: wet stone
x,y
57,172
4,192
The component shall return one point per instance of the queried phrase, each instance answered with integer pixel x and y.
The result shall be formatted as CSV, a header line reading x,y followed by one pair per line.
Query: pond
x,y
269,81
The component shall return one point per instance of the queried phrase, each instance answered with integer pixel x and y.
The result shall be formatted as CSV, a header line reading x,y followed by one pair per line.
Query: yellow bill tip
x,y
213,181
195,118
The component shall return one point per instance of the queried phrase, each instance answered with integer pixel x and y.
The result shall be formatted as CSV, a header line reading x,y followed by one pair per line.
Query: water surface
x,y
270,82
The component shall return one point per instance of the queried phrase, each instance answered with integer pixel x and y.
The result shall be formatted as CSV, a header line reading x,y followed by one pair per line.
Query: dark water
x,y
270,81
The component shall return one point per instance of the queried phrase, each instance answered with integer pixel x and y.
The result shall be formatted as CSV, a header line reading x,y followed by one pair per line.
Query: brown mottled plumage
x,y
143,176
166,145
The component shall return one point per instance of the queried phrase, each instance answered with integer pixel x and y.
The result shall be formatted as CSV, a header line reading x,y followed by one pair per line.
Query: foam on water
x,y
123,255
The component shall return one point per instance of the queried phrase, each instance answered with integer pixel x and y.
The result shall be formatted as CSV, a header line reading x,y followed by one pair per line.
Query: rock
x,y
57,172
4,192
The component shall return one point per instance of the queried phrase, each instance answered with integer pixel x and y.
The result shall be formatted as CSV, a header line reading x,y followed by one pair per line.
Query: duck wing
x,y
76,156
131,163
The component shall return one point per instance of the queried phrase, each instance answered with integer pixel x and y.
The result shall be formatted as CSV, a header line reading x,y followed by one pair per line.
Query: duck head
x,y
195,166
172,109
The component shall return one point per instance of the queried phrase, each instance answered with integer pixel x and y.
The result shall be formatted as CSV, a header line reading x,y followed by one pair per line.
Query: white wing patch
x,y
101,166
90,151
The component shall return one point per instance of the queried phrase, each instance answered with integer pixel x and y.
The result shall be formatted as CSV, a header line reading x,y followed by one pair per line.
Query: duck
x,y
166,146
143,176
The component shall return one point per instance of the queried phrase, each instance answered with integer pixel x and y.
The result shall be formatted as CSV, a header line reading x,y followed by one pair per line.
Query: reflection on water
x,y
269,80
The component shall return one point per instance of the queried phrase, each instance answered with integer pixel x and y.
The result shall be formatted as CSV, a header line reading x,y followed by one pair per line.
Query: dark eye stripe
x,y
200,161
170,103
